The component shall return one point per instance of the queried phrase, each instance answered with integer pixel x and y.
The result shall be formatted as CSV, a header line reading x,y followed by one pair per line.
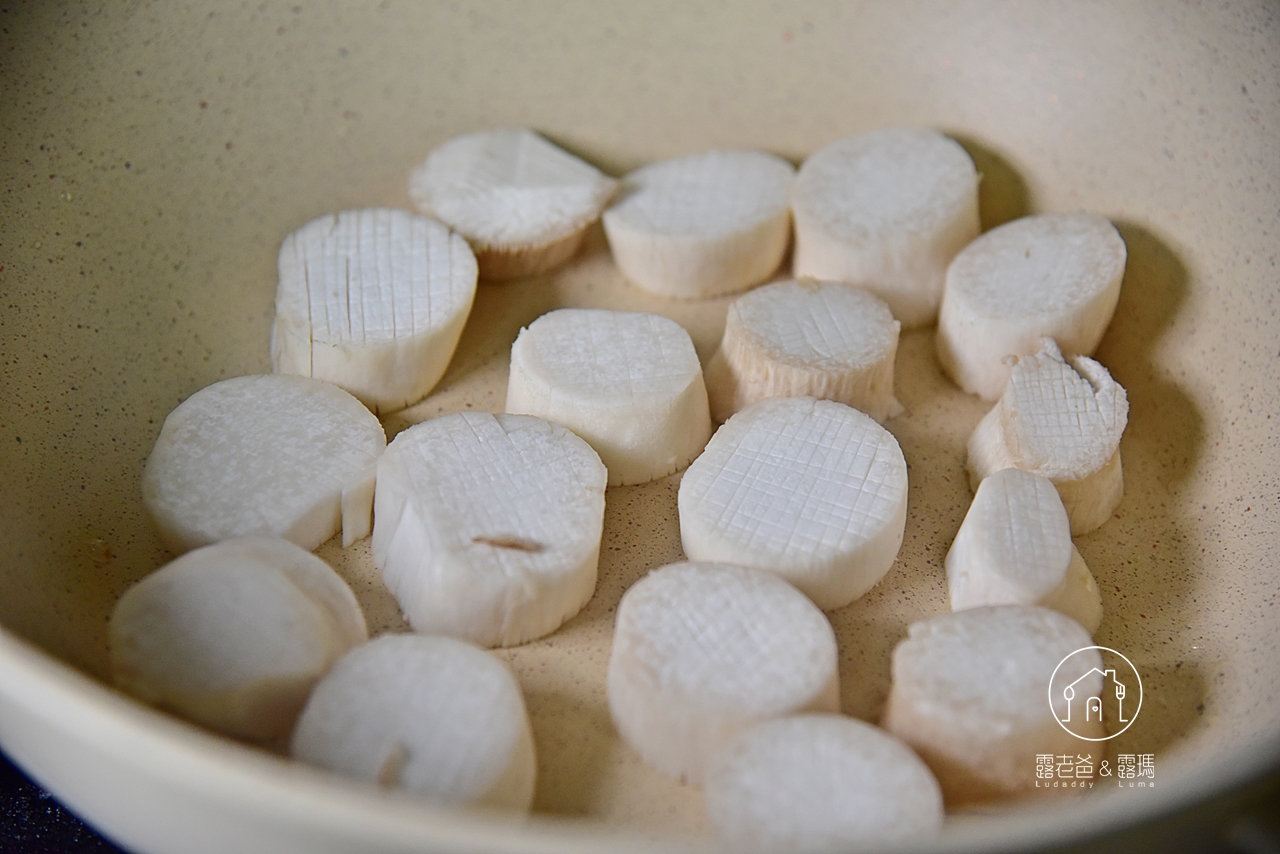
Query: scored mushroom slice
x,y
373,301
701,650
1061,419
812,490
273,454
806,338
430,715
886,210
1051,275
630,383
702,225
970,694
488,527
1014,548
819,782
234,635
522,202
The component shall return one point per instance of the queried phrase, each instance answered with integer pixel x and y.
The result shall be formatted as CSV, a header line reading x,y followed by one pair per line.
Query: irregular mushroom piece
x,y
806,338
522,203
282,455
701,650
1061,419
886,210
628,382
373,301
488,527
971,695
819,783
703,225
234,635
1014,548
811,490
430,715
1052,275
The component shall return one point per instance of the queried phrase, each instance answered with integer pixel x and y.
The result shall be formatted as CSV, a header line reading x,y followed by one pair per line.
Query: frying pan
x,y
154,155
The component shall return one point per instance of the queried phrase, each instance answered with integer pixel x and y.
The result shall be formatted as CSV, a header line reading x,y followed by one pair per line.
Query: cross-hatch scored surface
x,y
1058,417
812,486
617,356
475,480
730,638
886,181
710,193
372,276
833,324
1026,531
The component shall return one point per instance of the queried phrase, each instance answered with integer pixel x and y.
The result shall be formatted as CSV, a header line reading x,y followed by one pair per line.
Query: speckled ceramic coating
x,y
152,157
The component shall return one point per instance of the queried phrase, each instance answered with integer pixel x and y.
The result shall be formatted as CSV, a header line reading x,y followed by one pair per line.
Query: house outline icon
x,y
1128,700
1093,702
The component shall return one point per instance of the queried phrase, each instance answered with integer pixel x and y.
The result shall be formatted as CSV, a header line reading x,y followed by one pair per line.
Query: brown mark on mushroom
x,y
509,542
392,766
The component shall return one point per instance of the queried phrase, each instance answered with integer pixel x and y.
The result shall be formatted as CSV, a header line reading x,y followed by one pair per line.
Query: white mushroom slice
x,y
488,527
629,383
819,783
702,650
1014,548
887,211
234,635
811,490
806,338
971,694
281,455
430,715
1053,275
522,203
1061,419
1078,595
373,301
703,225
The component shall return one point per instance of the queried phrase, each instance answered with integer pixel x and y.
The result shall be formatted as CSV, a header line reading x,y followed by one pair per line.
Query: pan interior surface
x,y
153,157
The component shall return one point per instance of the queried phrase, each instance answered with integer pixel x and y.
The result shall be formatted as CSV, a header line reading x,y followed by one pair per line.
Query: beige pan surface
x,y
153,156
